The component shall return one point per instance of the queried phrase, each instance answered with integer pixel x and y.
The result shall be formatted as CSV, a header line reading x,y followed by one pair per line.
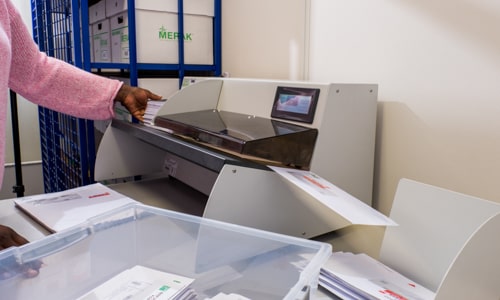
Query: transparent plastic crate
x,y
221,257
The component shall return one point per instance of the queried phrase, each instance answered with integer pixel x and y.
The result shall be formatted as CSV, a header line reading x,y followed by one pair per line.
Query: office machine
x,y
216,138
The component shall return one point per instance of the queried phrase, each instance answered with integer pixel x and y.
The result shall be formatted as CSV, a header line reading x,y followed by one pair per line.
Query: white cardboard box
x,y
199,7
157,37
97,12
119,38
101,41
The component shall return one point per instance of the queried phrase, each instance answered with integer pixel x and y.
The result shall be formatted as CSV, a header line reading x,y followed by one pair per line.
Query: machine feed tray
x,y
264,138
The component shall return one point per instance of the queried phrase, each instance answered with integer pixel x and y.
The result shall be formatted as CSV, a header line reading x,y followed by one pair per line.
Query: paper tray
x,y
221,257
263,138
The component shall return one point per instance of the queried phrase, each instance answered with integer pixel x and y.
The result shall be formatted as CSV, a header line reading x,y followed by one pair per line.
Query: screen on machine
x,y
295,104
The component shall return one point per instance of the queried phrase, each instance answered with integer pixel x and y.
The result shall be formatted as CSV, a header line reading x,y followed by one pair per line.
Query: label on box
x,y
141,283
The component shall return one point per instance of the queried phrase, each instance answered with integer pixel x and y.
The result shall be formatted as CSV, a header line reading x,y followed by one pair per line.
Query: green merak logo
x,y
165,35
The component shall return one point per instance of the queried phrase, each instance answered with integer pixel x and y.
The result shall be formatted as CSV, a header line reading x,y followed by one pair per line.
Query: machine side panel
x,y
434,225
262,199
345,149
122,155
475,272
201,95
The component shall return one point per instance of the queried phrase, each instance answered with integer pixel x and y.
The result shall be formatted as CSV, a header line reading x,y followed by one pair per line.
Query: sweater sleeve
x,y
54,84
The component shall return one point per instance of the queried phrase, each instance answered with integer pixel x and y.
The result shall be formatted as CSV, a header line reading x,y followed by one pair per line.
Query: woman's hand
x,y
135,99
9,238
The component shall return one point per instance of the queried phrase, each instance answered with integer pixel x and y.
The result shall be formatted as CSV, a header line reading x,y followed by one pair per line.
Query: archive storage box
x,y
157,32
222,258
101,41
97,12
100,33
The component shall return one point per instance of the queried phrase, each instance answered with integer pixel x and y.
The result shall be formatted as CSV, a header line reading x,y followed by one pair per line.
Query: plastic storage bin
x,y
221,257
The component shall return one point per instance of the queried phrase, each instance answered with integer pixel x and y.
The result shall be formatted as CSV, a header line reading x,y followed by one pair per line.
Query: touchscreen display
x,y
295,104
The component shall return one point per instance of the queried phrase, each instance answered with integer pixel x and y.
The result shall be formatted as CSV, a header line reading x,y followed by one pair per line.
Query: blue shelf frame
x,y
68,143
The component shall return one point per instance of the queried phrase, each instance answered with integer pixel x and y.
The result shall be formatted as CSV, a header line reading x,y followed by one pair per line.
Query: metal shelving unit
x,y
68,143
181,68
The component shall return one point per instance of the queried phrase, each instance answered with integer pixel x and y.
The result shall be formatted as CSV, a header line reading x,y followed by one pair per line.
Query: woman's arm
x,y
53,83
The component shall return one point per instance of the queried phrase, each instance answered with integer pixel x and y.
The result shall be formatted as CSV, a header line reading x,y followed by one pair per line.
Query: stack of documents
x,y
61,210
141,283
151,110
352,209
358,276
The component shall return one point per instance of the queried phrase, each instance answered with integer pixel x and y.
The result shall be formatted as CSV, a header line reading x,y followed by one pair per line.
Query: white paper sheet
x,y
151,110
352,209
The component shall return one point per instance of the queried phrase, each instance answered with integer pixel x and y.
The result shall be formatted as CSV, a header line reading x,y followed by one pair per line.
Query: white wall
x,y
264,38
437,64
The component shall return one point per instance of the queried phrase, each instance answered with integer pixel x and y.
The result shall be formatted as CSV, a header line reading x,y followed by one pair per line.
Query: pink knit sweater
x,y
44,80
